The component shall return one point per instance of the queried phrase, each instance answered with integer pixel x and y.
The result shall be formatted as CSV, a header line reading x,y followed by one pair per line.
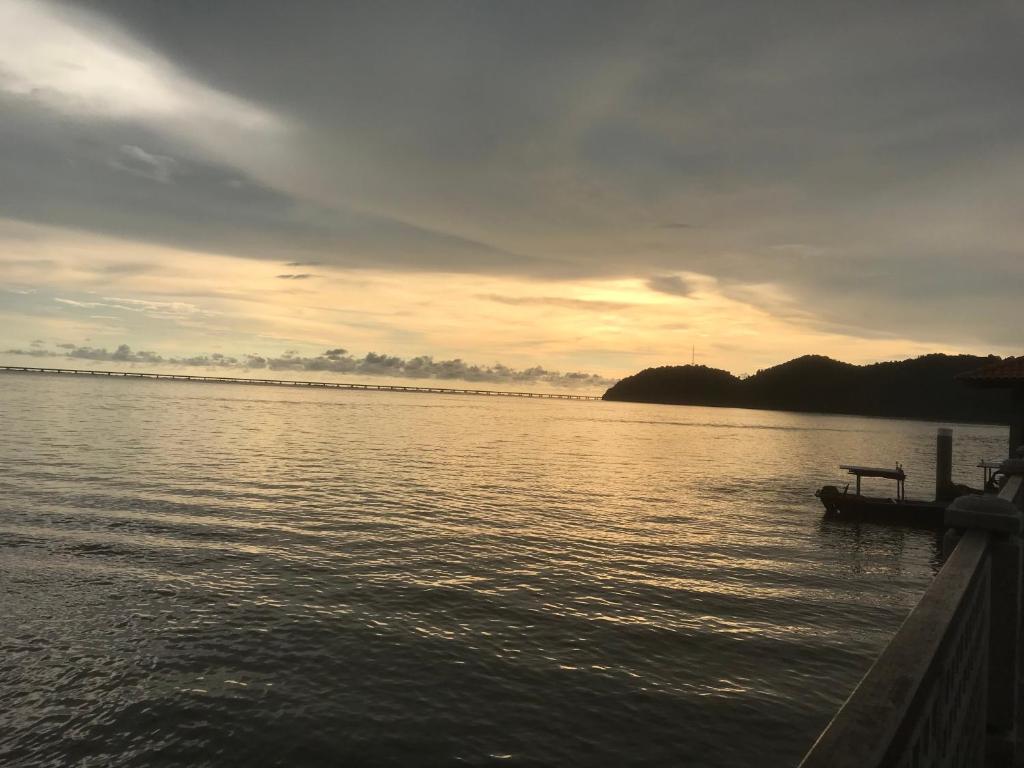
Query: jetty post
x,y
944,464
1017,422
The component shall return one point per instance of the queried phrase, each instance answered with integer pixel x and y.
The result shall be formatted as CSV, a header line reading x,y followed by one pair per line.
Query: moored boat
x,y
898,509
841,504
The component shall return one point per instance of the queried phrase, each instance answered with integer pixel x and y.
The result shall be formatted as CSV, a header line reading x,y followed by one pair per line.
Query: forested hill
x,y
922,388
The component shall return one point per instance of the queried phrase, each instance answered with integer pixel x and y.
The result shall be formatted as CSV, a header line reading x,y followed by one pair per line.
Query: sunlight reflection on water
x,y
223,575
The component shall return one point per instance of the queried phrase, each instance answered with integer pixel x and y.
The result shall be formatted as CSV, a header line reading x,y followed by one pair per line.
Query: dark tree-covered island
x,y
922,388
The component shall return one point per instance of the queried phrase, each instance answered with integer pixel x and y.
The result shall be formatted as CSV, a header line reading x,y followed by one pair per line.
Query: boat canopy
x,y
888,474
896,474
990,467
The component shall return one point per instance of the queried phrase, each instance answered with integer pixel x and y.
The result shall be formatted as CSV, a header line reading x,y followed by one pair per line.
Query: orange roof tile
x,y
1004,373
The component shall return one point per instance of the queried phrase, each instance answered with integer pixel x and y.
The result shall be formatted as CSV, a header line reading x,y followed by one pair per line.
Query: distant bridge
x,y
292,383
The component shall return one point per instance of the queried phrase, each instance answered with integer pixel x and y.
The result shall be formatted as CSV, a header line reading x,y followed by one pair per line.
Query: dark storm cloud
x,y
123,354
880,143
71,174
333,361
673,285
137,161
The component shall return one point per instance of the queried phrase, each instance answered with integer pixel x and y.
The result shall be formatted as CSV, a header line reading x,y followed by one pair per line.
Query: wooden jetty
x,y
294,383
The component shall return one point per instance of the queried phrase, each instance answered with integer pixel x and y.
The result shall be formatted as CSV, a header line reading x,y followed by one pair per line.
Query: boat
x,y
843,505
991,469
898,509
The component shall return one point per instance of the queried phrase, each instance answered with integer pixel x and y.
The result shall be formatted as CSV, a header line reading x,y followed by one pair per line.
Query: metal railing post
x,y
1000,515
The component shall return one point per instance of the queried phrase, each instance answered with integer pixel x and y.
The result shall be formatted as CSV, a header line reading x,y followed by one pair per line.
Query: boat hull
x,y
851,506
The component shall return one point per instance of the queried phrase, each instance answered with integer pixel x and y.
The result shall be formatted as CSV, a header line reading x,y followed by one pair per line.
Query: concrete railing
x,y
944,691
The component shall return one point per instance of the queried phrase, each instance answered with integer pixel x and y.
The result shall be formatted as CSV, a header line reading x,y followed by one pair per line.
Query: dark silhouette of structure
x,y
1006,375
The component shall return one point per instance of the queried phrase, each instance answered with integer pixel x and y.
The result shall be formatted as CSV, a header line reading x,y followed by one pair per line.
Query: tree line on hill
x,y
922,388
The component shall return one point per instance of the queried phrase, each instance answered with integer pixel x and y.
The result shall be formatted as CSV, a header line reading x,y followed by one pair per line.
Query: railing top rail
x,y
869,723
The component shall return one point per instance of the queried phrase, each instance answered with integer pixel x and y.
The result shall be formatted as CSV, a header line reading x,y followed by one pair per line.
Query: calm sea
x,y
233,576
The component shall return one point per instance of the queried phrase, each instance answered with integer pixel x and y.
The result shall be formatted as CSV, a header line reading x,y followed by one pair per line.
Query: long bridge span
x,y
293,383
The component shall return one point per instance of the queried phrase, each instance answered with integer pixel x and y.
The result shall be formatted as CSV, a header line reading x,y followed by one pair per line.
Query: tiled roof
x,y
1008,372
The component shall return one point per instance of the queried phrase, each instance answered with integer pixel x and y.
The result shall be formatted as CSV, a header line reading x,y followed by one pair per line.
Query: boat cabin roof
x,y
886,472
991,463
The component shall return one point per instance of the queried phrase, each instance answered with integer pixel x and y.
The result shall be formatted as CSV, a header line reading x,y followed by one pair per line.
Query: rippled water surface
x,y
201,574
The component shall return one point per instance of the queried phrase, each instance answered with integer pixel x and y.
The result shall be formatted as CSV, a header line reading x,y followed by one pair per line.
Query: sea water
x,y
228,575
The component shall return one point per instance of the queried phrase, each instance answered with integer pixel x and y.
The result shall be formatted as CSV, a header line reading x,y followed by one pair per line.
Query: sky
x,y
549,193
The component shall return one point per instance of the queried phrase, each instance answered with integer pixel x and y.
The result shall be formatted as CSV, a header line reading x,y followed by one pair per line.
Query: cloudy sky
x,y
546,186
